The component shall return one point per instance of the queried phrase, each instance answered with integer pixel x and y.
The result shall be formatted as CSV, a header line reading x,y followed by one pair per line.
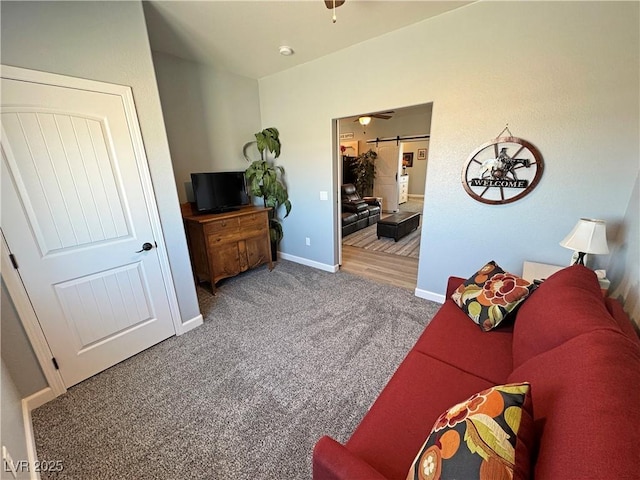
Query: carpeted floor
x,y
282,358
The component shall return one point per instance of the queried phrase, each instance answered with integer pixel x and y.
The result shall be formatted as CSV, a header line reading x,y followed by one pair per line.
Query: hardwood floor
x,y
381,267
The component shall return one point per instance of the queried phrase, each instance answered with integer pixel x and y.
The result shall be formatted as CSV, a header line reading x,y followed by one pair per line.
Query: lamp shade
x,y
364,121
588,236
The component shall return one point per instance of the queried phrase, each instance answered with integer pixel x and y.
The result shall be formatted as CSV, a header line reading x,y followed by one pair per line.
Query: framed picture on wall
x,y
407,159
422,154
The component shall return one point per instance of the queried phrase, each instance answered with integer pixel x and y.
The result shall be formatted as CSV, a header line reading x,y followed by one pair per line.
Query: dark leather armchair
x,y
356,212
351,200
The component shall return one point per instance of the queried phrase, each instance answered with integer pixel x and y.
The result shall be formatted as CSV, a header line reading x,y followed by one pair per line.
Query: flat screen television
x,y
216,192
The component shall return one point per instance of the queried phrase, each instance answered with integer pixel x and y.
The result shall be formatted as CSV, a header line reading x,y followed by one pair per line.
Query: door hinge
x,y
55,363
14,262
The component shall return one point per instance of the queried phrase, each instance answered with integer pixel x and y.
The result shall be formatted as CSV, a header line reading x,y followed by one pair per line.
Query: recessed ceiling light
x,y
285,50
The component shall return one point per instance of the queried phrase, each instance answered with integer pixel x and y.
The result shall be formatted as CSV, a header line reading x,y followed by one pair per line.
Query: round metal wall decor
x,y
502,171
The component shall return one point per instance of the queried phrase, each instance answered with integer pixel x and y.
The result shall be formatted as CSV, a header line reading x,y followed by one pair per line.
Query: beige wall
x,y
563,75
209,115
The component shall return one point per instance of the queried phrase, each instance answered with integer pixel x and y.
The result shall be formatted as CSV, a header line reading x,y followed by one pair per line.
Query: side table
x,y
533,271
538,271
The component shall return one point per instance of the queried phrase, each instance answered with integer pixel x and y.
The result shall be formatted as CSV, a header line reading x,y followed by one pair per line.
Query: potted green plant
x,y
265,180
364,169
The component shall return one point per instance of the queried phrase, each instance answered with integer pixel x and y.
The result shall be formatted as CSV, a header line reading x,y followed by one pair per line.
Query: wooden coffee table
x,y
398,225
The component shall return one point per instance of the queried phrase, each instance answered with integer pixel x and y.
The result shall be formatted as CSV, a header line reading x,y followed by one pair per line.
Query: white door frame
x,y
14,283
30,322
337,182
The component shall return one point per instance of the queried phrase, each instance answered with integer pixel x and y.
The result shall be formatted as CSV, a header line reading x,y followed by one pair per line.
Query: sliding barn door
x,y
75,216
385,184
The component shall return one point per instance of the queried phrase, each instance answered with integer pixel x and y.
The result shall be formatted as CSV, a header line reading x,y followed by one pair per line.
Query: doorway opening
x,y
398,140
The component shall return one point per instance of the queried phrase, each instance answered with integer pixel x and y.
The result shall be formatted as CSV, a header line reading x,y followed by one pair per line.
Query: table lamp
x,y
588,236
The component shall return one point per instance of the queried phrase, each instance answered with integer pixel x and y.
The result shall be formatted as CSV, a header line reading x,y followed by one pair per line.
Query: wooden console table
x,y
222,245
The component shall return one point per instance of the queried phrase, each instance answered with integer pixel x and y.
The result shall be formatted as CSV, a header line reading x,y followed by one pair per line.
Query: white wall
x,y
106,41
563,75
209,115
13,433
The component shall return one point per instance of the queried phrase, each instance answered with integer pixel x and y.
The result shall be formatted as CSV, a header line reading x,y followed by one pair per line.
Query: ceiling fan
x,y
366,119
329,3
332,5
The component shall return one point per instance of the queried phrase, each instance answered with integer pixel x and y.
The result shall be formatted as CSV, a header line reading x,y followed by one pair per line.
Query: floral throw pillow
x,y
490,294
488,436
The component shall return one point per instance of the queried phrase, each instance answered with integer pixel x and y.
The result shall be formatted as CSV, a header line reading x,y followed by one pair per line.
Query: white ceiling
x,y
243,36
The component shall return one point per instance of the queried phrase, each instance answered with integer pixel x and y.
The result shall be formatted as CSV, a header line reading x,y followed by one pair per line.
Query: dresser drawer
x,y
223,226
255,221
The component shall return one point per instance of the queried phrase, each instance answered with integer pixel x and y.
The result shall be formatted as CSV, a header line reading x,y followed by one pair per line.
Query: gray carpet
x,y
282,358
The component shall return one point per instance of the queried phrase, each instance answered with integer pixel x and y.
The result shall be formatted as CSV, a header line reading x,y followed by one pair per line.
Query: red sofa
x,y
578,350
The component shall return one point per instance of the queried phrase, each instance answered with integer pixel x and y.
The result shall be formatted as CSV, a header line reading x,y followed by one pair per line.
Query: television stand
x,y
222,245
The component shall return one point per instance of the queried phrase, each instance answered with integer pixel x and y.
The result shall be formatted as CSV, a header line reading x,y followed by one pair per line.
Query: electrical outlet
x,y
324,195
8,466
307,241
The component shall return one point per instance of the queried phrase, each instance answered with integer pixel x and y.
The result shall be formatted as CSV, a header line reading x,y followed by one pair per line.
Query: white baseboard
x,y
309,263
191,324
427,295
29,403
38,399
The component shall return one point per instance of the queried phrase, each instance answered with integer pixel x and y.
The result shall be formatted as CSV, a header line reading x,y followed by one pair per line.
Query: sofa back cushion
x,y
452,338
586,407
567,304
349,193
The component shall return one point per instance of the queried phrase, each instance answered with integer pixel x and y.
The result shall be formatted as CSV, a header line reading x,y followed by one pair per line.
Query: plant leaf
x,y
287,206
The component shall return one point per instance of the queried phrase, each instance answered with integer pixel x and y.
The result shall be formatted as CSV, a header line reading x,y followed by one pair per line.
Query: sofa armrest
x,y
355,207
332,461
453,284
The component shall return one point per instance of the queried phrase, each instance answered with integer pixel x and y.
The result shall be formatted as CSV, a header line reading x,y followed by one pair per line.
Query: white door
x,y
75,215
385,184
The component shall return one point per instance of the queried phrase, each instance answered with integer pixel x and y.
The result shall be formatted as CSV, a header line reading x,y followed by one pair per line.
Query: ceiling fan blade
x,y
379,115
329,3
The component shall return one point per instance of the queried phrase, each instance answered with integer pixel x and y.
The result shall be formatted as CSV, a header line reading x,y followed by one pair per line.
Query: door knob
x,y
145,247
